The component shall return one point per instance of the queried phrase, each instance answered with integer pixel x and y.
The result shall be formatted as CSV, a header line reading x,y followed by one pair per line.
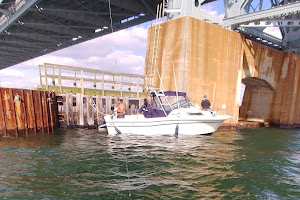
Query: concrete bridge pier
x,y
207,61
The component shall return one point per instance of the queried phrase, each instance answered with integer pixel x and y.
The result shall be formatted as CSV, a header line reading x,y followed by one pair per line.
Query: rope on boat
x,y
129,194
93,104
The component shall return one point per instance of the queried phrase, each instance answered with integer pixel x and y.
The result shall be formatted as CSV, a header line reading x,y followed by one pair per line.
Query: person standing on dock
x,y
205,103
121,109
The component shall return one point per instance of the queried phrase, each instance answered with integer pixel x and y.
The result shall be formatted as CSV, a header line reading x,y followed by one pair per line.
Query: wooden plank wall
x,y
27,112
86,116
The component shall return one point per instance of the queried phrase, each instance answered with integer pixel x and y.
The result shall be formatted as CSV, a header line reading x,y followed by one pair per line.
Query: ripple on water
x,y
81,164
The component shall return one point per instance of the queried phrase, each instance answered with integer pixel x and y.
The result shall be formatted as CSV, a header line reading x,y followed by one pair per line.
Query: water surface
x,y
257,163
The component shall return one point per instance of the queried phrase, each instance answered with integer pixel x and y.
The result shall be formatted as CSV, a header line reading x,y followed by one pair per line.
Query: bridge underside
x,y
32,28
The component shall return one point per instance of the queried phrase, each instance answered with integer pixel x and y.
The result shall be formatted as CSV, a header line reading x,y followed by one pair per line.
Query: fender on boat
x,y
118,131
176,130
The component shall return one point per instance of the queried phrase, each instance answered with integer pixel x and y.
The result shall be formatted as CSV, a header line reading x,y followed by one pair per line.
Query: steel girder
x,y
252,19
275,12
274,23
261,37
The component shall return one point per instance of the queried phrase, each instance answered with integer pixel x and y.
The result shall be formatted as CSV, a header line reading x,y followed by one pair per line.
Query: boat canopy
x,y
173,93
165,104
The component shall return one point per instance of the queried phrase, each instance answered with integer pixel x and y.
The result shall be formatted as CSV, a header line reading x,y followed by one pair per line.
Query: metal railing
x,y
67,76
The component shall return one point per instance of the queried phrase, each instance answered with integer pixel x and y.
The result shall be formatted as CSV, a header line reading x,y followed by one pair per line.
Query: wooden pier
x,y
80,89
27,112
80,111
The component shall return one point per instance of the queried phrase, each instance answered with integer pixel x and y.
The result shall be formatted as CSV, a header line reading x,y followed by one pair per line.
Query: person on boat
x,y
146,109
121,109
205,103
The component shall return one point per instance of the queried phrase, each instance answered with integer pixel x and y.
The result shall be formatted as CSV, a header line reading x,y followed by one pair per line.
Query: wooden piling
x,y
69,110
141,102
99,105
9,111
79,110
108,105
126,103
132,109
38,111
90,111
29,106
50,109
54,109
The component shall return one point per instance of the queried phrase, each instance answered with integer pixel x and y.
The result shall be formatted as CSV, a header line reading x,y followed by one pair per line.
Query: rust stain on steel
x,y
30,111
18,97
38,110
2,118
9,111
45,112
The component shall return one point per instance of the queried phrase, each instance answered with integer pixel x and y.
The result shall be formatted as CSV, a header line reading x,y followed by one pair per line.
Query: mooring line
x,y
129,194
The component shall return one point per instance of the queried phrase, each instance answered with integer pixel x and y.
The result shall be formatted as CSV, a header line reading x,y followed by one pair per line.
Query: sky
x,y
122,51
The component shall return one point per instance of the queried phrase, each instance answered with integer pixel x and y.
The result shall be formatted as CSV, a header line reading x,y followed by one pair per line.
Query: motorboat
x,y
171,113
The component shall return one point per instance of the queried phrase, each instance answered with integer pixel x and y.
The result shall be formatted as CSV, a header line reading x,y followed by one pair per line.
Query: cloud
x,y
130,39
122,51
12,82
11,73
214,8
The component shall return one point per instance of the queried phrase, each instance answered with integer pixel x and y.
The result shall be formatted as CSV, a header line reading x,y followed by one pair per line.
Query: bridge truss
x,y
252,17
31,28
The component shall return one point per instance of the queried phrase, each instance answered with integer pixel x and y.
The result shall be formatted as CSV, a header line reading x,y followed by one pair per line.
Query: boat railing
x,y
160,95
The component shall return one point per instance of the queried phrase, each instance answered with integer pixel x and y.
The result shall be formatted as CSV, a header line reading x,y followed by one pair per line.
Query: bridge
x,y
32,28
208,54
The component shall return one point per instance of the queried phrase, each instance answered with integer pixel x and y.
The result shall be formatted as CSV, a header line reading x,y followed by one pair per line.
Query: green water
x,y
82,164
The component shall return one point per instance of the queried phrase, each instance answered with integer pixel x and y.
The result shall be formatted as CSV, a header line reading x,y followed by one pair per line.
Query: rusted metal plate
x,y
2,118
30,111
38,110
9,111
45,112
19,102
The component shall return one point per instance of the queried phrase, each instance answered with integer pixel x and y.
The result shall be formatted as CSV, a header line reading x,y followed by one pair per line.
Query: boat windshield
x,y
170,102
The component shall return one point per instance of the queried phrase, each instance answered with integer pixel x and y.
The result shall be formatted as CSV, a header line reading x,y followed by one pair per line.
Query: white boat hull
x,y
189,125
